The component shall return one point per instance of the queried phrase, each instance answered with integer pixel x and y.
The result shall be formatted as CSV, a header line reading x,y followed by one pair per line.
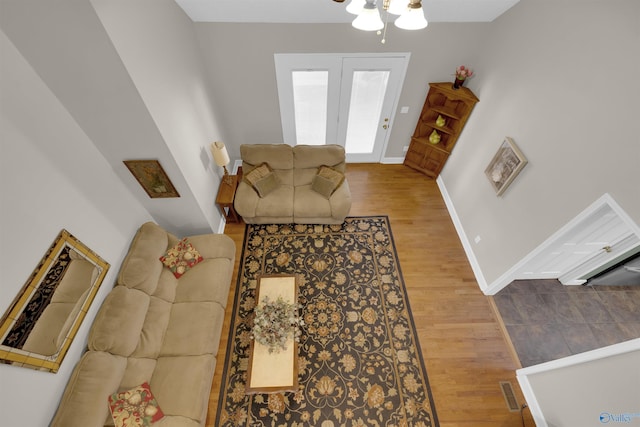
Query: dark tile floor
x,y
546,320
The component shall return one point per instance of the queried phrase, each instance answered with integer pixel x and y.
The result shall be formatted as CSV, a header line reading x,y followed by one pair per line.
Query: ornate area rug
x,y
359,360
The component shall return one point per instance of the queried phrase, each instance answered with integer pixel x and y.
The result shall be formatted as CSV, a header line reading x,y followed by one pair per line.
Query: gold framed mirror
x,y
41,322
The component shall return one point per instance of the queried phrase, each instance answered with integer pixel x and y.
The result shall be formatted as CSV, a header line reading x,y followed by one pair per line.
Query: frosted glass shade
x,y
412,19
369,19
398,7
355,6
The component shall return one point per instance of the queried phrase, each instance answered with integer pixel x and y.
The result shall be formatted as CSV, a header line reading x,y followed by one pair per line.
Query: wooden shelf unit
x,y
455,106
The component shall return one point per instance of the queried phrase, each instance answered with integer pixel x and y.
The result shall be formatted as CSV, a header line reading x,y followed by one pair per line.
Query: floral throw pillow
x,y
135,408
180,258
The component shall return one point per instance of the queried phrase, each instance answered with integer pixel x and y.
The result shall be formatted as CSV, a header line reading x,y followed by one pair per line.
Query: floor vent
x,y
509,396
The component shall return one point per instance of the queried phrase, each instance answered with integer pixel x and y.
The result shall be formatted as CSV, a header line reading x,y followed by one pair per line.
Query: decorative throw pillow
x,y
135,408
326,181
267,184
180,258
257,173
262,179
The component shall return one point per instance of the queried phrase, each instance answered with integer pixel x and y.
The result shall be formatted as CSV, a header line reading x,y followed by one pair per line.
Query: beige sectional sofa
x,y
154,328
294,200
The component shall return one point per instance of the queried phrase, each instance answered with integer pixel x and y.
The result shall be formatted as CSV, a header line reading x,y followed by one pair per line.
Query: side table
x,y
226,196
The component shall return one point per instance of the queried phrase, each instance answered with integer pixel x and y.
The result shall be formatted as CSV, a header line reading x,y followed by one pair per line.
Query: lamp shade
x,y
412,18
369,18
398,7
220,155
355,6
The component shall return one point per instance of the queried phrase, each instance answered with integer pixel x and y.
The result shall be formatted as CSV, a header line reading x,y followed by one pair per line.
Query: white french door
x,y
348,100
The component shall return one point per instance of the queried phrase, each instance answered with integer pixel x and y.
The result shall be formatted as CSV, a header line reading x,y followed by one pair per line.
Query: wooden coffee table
x,y
274,372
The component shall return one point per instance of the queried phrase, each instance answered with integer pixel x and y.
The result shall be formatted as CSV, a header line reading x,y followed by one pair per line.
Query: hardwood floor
x,y
462,343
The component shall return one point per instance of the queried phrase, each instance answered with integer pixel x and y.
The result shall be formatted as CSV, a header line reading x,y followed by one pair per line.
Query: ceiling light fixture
x,y
413,17
396,7
355,6
368,19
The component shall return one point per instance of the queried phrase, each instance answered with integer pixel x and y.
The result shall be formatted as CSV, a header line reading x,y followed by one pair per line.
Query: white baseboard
x,y
392,160
466,244
223,222
236,165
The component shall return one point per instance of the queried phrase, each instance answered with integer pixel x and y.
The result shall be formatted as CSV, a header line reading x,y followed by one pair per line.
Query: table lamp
x,y
221,157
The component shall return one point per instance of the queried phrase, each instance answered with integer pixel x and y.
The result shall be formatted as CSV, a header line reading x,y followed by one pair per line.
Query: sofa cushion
x,y
153,329
181,257
308,203
326,181
278,156
96,376
136,407
314,156
141,267
276,204
123,310
190,330
139,370
214,246
216,273
182,385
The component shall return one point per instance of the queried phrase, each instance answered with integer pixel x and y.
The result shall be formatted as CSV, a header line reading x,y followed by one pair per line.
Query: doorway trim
x,y
513,273
332,62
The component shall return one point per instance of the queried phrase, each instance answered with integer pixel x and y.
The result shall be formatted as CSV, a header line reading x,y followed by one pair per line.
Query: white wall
x,y
51,177
556,77
580,389
67,45
239,58
157,45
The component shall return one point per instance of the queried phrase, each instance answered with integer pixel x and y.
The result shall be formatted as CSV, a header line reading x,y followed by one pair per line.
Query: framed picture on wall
x,y
152,178
505,166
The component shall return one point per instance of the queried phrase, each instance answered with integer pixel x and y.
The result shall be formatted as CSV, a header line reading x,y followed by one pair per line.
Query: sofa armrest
x,y
340,201
214,245
246,201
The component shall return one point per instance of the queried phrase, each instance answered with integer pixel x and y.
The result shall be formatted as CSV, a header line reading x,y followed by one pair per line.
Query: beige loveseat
x,y
294,200
154,328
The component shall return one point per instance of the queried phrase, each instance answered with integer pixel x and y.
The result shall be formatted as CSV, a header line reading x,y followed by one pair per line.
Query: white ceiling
x,y
329,11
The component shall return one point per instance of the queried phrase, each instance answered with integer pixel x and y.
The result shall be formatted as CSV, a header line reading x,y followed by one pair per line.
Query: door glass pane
x,y
367,96
310,89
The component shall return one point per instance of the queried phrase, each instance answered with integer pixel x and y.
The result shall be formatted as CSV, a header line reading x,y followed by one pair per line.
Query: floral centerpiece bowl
x,y
274,322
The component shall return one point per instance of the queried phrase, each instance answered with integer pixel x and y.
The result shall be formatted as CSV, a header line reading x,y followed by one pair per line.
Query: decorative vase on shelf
x,y
440,121
434,138
457,84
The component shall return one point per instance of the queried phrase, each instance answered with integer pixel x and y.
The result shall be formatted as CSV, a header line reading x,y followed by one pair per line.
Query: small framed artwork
x,y
152,178
505,166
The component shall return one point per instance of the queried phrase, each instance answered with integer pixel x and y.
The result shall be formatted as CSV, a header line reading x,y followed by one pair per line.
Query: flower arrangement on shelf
x,y
462,73
274,322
